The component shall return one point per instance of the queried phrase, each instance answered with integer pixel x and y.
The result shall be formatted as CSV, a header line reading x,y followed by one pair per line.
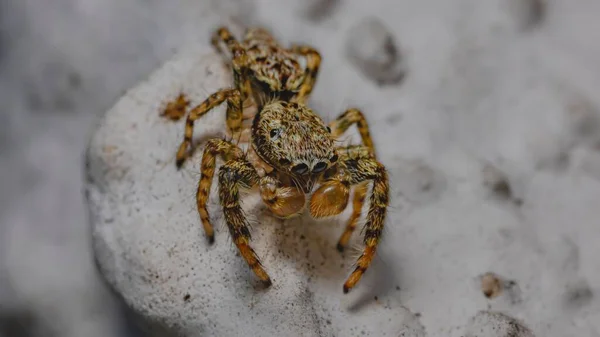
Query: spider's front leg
x,y
234,118
214,147
338,127
357,165
235,174
313,62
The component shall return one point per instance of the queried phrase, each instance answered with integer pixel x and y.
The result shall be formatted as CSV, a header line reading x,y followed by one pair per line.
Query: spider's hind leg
x,y
313,62
284,201
224,35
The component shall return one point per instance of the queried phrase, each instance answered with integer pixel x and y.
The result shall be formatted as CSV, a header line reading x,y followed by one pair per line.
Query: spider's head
x,y
293,139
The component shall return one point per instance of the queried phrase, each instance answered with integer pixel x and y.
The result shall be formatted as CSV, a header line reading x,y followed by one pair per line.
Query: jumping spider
x,y
291,150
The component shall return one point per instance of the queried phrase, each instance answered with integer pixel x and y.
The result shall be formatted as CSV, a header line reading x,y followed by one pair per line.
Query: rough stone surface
x,y
494,324
508,84
151,247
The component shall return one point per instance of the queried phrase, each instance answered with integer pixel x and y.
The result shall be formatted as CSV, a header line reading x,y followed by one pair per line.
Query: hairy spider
x,y
262,70
291,151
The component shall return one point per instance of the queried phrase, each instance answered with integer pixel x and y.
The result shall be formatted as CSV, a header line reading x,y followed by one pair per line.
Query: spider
x,y
291,151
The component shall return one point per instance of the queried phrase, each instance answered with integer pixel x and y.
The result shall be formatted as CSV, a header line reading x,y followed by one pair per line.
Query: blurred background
x,y
63,63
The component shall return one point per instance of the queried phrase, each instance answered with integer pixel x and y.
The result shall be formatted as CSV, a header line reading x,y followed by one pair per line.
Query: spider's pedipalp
x,y
330,199
284,201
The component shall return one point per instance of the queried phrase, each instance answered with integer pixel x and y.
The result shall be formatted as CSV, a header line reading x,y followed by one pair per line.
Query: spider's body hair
x,y
274,71
263,68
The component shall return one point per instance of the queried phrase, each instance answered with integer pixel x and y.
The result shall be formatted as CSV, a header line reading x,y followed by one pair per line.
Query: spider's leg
x,y
233,175
239,60
214,147
346,119
338,127
284,201
360,193
356,166
224,35
176,108
313,62
234,118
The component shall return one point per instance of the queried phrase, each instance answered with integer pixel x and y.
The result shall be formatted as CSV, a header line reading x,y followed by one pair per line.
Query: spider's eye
x,y
320,167
300,168
329,129
333,158
275,133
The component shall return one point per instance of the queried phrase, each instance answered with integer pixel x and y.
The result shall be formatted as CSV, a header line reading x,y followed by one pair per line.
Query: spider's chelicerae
x,y
291,151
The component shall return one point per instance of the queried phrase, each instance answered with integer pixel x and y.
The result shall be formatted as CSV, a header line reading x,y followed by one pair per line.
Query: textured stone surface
x,y
504,84
494,324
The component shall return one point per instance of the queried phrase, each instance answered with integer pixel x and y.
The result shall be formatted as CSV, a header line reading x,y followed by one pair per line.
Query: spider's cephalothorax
x,y
291,150
293,140
263,71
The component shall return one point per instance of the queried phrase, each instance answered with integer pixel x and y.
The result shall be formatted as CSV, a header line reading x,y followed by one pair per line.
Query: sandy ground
x,y
504,82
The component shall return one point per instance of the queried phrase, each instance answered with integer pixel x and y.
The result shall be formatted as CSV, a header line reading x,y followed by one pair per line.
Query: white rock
x,y
495,324
151,248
